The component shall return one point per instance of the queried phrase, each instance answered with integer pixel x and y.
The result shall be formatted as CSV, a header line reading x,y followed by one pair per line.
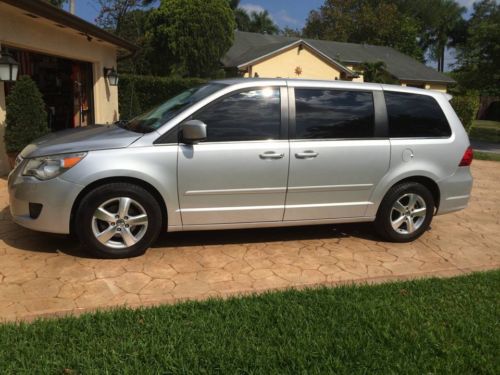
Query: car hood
x,y
88,138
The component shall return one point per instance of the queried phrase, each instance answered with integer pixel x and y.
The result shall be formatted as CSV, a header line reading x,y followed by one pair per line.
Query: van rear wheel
x,y
118,220
405,212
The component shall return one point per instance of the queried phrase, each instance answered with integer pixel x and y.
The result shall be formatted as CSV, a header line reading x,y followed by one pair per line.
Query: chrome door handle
x,y
271,155
308,154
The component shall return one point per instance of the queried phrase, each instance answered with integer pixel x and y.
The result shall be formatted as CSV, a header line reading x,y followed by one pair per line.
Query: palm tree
x,y
261,22
242,19
449,17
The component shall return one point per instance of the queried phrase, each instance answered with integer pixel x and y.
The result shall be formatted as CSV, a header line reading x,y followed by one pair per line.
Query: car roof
x,y
291,82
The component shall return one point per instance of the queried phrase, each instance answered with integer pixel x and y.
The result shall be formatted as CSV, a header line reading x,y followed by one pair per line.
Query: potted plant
x,y
26,117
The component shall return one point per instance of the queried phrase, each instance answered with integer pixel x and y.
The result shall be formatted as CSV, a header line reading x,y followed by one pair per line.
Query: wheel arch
x,y
132,180
428,182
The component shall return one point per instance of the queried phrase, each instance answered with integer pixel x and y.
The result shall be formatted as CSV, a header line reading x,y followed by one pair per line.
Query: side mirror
x,y
193,131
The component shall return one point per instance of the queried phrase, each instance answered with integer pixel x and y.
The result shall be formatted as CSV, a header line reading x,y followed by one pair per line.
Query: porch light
x,y
112,76
8,67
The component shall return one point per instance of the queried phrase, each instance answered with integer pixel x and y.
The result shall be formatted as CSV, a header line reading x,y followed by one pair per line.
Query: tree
x,y
440,24
288,31
449,15
129,20
314,28
261,22
478,55
112,12
190,37
376,72
364,21
242,19
26,116
257,22
134,27
240,15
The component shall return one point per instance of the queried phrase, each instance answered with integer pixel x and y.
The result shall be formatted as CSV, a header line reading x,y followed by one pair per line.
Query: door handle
x,y
271,155
308,154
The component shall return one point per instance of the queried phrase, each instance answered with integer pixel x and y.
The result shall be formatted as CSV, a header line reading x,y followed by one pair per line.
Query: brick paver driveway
x,y
44,274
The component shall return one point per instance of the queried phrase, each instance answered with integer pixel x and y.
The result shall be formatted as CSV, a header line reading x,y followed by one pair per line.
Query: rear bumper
x,y
56,197
455,191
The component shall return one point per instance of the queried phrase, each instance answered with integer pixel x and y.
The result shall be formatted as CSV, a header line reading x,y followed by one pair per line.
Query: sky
x,y
291,13
285,13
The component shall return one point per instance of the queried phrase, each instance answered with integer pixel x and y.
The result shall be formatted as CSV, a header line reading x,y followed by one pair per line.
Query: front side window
x,y
245,116
160,115
414,115
324,113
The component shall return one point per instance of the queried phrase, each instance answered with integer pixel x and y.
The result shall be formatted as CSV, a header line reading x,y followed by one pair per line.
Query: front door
x,y
336,160
239,173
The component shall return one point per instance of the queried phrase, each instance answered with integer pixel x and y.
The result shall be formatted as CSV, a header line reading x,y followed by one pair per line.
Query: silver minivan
x,y
249,153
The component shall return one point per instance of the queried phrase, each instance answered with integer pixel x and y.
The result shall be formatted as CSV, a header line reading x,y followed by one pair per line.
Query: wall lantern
x,y
112,76
8,67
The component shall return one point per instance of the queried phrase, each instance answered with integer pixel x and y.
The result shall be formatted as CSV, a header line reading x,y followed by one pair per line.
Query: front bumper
x,y
56,195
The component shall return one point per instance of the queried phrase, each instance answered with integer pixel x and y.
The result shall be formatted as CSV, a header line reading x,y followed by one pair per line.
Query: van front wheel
x,y
118,220
405,212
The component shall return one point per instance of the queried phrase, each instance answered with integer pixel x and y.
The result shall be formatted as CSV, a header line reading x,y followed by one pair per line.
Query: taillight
x,y
467,158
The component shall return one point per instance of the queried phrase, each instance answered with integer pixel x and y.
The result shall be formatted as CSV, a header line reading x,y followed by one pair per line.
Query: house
x,y
271,56
69,59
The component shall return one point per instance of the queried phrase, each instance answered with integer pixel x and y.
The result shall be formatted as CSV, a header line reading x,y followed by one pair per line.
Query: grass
x,y
487,131
416,327
486,156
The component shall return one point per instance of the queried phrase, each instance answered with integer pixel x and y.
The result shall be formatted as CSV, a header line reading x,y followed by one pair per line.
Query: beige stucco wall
x,y
431,86
284,64
40,35
436,87
358,79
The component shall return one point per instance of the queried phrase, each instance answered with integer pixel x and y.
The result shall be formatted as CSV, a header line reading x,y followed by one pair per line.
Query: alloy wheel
x,y
408,213
119,222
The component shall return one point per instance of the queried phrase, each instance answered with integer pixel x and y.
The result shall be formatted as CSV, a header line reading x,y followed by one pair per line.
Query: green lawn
x,y
418,327
486,156
488,131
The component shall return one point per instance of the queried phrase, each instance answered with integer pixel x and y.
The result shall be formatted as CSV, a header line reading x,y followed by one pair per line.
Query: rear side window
x,y
321,113
245,116
413,115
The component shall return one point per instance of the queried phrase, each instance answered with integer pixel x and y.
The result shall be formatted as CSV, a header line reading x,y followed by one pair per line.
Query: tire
x,y
118,220
405,212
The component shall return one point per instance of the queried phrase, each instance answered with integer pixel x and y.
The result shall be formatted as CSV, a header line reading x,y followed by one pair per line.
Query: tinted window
x,y
245,116
333,114
158,116
413,115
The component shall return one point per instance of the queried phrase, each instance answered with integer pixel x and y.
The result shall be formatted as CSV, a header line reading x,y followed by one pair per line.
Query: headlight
x,y
48,167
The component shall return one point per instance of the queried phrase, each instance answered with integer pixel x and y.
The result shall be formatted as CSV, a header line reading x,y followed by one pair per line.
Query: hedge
x,y
138,94
466,107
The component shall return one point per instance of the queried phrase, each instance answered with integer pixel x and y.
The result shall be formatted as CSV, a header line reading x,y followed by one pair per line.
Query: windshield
x,y
158,116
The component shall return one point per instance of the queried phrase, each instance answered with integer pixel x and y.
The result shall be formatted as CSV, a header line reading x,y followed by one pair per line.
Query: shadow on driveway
x,y
20,238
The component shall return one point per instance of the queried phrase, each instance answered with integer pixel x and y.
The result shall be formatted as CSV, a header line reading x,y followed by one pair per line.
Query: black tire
x,y
142,199
386,214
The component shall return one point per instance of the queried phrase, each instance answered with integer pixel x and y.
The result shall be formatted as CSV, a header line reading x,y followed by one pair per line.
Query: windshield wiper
x,y
120,123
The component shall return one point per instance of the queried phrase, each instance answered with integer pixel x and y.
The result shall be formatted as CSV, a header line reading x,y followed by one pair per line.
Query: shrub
x,y
26,116
138,94
466,107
